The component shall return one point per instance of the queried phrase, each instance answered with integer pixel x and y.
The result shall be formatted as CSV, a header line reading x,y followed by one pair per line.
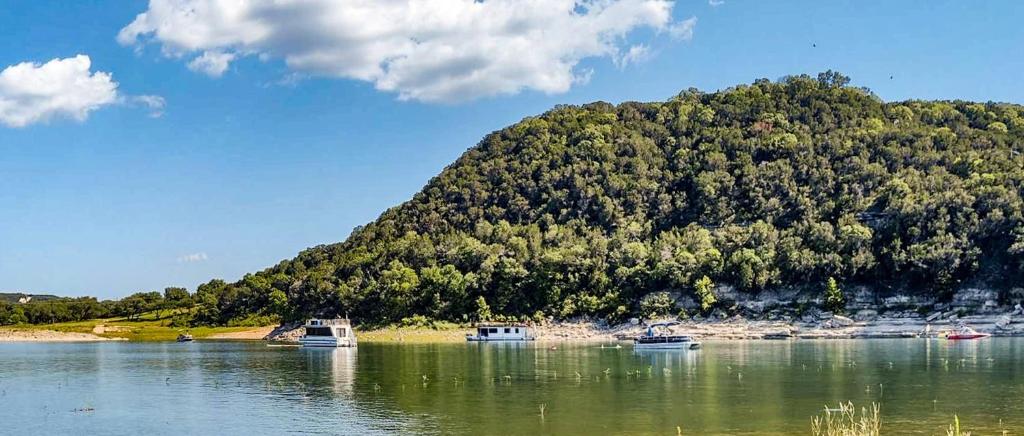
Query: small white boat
x,y
328,333
184,337
658,338
500,332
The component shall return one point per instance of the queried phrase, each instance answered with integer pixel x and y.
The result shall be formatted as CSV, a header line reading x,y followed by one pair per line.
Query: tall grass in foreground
x,y
954,428
845,421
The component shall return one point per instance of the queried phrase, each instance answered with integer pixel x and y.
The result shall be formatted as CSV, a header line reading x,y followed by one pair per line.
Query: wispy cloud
x,y
715,3
154,103
635,55
683,30
194,257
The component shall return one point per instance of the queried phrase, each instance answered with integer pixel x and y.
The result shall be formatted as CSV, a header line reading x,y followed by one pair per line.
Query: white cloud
x,y
636,54
426,50
212,63
683,30
154,103
31,92
194,257
714,3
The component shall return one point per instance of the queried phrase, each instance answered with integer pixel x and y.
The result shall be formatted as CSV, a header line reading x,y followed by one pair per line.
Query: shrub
x,y
834,298
656,304
705,290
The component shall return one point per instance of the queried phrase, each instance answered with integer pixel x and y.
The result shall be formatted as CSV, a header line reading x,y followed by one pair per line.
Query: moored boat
x,y
328,333
658,337
501,332
965,333
184,337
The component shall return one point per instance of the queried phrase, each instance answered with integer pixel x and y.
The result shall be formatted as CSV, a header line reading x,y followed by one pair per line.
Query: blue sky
x,y
252,160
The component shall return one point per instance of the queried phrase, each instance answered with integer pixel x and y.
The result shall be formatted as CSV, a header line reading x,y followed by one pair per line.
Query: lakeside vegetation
x,y
613,210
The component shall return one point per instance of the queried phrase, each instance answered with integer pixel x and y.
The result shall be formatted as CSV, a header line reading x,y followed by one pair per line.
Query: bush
x,y
705,290
656,304
834,299
253,320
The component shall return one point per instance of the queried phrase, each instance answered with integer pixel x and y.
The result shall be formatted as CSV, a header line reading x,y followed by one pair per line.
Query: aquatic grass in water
x,y
844,421
954,428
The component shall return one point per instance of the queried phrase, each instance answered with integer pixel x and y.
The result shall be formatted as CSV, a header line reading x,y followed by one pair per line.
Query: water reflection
x,y
336,367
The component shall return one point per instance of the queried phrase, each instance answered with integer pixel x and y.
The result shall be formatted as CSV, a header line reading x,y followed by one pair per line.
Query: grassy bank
x,y
415,335
149,327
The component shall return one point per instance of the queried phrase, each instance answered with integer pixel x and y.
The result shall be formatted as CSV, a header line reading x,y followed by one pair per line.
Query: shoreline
x,y
733,328
13,335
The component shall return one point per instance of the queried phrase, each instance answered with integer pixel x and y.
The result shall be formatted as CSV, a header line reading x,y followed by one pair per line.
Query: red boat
x,y
966,333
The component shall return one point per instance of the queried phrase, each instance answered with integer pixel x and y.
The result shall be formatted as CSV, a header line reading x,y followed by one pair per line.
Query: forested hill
x,y
590,209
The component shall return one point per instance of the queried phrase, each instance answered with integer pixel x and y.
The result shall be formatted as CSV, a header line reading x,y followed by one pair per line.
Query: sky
x,y
166,143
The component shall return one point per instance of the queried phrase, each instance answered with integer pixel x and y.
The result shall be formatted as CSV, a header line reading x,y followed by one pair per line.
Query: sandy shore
x,y
33,335
254,334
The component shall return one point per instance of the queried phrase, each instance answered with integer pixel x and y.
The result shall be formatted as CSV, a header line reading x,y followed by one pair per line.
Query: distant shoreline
x,y
734,328
14,334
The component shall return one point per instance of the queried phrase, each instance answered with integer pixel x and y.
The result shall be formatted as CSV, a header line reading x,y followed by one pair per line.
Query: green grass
x,y
416,335
150,326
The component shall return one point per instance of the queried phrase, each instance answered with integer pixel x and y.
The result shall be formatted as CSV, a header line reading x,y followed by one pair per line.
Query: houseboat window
x,y
318,331
494,330
508,330
517,329
341,332
483,332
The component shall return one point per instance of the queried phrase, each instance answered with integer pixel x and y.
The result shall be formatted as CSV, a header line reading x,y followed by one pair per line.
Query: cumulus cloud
x,y
32,92
426,50
194,257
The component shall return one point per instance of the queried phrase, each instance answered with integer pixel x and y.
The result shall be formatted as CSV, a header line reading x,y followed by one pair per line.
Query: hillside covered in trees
x,y
601,209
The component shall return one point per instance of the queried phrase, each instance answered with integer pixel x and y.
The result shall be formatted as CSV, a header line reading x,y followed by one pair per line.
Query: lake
x,y
729,387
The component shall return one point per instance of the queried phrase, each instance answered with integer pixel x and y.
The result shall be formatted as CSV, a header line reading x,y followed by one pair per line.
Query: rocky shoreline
x,y
822,325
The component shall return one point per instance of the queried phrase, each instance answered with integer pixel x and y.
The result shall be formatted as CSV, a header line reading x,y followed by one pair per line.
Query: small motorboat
x,y
658,337
965,333
185,337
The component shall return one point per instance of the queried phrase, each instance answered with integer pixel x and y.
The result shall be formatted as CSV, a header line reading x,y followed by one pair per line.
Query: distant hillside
x,y
597,209
16,297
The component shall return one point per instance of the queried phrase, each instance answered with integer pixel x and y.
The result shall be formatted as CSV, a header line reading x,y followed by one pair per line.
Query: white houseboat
x,y
328,333
500,332
658,337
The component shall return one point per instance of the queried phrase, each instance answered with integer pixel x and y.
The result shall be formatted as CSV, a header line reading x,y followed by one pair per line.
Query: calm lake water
x,y
726,388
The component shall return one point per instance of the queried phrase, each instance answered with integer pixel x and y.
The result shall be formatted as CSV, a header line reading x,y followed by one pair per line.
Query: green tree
x,y
704,289
834,298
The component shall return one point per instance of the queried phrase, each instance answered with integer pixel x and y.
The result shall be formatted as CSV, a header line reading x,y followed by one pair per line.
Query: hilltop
x,y
633,209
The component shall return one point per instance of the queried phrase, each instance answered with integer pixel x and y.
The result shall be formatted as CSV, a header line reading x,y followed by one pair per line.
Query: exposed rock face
x,y
289,332
842,321
866,315
974,298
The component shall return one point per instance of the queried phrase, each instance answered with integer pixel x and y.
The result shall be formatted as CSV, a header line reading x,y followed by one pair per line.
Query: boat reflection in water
x,y
336,365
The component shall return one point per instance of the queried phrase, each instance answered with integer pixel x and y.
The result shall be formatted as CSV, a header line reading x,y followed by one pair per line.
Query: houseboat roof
x,y
503,324
317,322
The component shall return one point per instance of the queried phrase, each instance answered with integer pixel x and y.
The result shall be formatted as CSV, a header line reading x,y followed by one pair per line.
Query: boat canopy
x,y
664,324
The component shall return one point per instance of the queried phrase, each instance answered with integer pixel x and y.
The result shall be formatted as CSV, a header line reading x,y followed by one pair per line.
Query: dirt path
x,y
32,335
